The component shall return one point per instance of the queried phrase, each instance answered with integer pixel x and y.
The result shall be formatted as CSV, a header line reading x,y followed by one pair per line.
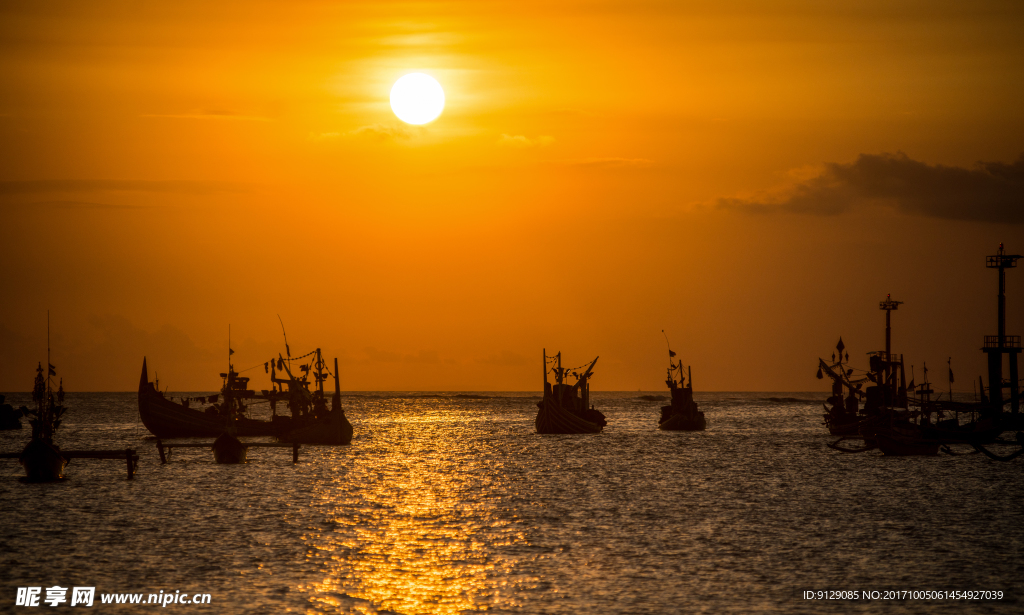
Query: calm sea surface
x,y
451,503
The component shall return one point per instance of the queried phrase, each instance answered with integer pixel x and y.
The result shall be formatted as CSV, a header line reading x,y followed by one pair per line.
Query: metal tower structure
x,y
998,345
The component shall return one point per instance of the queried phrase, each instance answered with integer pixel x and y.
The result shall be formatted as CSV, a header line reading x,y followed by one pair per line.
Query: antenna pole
x,y
545,365
47,355
949,362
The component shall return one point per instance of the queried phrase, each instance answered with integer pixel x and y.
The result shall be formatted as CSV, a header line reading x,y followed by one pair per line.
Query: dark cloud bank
x,y
989,192
37,186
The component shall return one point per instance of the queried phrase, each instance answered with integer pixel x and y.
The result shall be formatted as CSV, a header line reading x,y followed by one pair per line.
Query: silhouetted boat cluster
x,y
902,418
309,421
878,405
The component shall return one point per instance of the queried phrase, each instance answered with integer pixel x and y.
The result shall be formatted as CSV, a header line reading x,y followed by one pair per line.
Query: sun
x,y
417,98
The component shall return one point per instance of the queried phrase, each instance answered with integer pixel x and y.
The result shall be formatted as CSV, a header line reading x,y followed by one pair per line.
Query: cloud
x,y
596,163
84,205
988,192
523,141
36,186
378,132
210,115
106,355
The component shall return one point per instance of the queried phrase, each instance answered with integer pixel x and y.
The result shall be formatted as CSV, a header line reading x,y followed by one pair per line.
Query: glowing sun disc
x,y
417,98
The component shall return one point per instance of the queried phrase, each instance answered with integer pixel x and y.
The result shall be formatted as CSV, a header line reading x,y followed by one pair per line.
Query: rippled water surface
x,y
451,504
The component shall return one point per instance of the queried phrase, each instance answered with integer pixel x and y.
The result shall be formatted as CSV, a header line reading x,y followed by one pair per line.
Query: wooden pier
x,y
164,448
129,455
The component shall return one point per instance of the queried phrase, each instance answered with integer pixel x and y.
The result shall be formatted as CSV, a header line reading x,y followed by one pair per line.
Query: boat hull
x,y
552,419
842,424
227,449
684,422
167,419
43,462
897,446
334,430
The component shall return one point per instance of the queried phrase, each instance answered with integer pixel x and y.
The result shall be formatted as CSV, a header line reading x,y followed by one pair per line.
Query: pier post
x,y
995,379
160,447
295,453
129,455
1014,384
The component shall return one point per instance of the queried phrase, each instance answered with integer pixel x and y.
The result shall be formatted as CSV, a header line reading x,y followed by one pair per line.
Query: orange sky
x,y
751,177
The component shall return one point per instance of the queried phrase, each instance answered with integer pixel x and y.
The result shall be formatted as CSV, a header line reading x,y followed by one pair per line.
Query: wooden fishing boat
x,y
682,413
43,462
309,420
41,458
566,409
165,418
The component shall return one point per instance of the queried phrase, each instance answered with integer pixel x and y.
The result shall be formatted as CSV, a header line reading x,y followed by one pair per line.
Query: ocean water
x,y
448,503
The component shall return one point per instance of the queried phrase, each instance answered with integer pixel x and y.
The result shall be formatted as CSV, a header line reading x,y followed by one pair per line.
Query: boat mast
x,y
545,364
336,399
228,398
48,357
319,373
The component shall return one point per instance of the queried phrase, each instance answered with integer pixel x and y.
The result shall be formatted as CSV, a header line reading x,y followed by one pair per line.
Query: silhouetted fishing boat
x,y
682,413
165,418
310,422
42,459
903,419
566,409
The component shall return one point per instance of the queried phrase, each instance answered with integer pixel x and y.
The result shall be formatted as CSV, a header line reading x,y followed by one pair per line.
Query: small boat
x,y
42,459
9,417
682,413
566,409
228,449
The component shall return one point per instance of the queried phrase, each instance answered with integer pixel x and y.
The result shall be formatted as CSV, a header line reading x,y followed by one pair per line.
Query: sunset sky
x,y
751,177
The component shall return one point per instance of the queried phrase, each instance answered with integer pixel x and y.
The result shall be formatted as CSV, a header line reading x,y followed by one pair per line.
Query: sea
x,y
451,503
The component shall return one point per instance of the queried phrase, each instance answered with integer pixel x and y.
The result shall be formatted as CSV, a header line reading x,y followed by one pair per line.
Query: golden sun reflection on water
x,y
419,533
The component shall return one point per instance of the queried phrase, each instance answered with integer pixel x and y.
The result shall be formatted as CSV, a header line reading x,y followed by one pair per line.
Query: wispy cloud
x,y
523,141
210,115
378,132
607,162
39,186
84,205
988,192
